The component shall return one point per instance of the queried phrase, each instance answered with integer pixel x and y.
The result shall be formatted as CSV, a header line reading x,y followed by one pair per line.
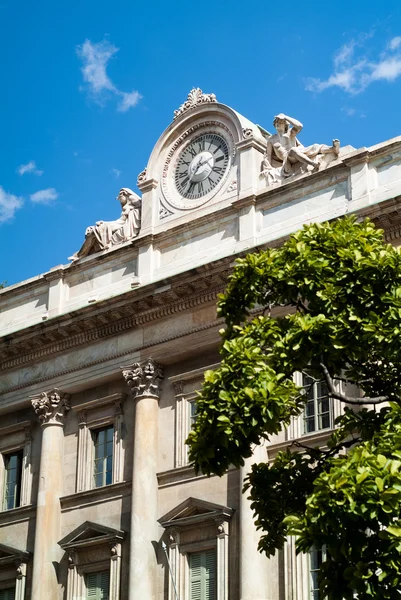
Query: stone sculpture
x,y
285,155
106,234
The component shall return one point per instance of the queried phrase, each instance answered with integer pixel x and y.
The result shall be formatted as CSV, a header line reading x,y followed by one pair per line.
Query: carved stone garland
x,y
144,379
51,407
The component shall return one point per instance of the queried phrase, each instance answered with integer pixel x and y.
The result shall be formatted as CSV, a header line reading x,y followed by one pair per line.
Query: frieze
x,y
97,327
117,355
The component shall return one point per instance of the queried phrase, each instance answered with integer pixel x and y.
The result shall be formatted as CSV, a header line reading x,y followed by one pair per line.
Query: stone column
x,y
51,408
143,379
254,567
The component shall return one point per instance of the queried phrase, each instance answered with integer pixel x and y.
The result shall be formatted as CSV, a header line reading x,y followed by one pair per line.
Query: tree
x,y
342,285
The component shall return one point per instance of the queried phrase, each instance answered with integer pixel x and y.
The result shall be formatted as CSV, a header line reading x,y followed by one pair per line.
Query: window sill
x,y
181,475
13,515
315,438
98,495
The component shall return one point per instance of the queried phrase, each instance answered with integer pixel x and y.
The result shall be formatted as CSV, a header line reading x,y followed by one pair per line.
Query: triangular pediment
x,y
193,510
89,534
9,554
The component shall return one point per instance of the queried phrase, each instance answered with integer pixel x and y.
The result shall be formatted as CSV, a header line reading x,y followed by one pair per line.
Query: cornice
x,y
135,309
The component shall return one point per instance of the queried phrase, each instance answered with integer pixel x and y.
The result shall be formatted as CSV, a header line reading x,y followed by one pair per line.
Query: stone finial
x,y
195,97
51,407
141,177
144,379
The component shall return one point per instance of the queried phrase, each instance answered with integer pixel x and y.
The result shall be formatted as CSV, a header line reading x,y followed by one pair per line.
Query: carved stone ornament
x,y
144,379
286,157
107,234
247,133
51,407
195,97
141,177
233,186
163,211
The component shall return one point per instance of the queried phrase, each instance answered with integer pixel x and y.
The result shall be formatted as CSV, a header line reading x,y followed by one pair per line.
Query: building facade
x,y
101,359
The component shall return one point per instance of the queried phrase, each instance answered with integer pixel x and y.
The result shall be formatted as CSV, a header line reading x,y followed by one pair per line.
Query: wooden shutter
x,y
202,567
210,575
97,586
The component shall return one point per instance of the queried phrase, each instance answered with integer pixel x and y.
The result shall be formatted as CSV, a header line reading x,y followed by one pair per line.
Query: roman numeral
x,y
201,143
200,187
220,158
218,170
217,149
181,175
184,182
191,187
192,152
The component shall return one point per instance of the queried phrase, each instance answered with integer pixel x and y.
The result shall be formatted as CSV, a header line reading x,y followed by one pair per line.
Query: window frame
x,y
88,424
186,387
215,520
317,414
7,458
14,567
314,573
78,542
14,439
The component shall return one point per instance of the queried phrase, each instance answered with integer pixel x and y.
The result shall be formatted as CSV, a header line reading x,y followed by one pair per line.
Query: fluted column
x,y
144,379
51,408
254,567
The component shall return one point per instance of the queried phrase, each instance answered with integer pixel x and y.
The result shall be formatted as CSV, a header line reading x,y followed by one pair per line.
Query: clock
x,y
201,166
197,165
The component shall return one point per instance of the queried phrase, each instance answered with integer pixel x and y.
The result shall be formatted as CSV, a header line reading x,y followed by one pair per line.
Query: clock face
x,y
201,166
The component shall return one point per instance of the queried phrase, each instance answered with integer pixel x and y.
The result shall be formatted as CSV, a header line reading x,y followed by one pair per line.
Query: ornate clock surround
x,y
170,193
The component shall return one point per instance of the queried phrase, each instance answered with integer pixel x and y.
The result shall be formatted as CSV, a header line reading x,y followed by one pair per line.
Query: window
x,y
97,585
317,413
316,557
8,594
186,386
192,414
202,575
94,559
198,545
103,461
15,466
100,442
12,480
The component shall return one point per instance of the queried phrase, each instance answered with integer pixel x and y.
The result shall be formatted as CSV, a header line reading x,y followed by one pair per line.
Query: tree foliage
x,y
341,286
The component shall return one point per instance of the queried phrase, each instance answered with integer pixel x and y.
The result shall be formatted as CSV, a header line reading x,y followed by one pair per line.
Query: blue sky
x,y
88,87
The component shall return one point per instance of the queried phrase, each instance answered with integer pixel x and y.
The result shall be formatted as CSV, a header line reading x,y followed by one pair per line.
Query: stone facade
x,y
116,343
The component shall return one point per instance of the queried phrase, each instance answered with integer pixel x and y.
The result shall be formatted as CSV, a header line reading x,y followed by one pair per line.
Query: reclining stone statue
x,y
286,156
106,234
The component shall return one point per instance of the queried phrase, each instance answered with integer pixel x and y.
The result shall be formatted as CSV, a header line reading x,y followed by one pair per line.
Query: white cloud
x,y
395,43
95,58
8,205
116,173
128,100
353,73
30,167
46,196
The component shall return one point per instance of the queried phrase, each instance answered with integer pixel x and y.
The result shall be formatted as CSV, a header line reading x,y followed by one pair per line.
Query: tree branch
x,y
350,399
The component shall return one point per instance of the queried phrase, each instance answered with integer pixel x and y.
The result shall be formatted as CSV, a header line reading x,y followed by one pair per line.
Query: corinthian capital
x,y
144,379
51,407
